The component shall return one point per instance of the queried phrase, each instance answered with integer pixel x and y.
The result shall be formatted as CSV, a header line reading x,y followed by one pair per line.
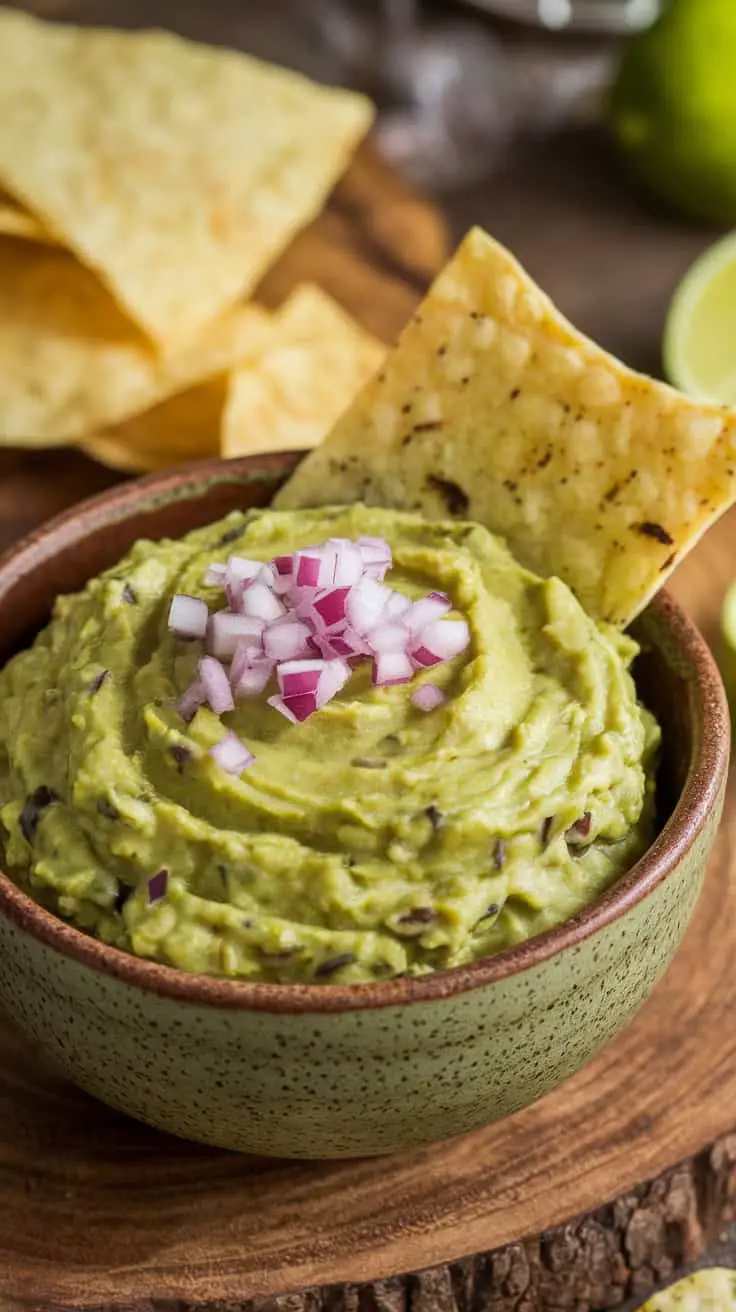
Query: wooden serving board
x,y
578,1202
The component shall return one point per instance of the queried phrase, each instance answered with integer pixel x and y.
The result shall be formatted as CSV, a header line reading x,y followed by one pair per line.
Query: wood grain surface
x,y
598,1192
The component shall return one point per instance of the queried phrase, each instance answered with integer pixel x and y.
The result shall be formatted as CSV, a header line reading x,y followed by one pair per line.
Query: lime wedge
x,y
700,333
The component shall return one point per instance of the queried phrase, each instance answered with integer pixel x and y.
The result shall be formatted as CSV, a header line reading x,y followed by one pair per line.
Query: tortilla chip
x,y
183,428
288,396
494,408
712,1290
17,222
71,362
178,172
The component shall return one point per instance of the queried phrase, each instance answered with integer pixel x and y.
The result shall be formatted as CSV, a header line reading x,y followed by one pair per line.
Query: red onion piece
x,y
423,656
334,677
261,603
349,563
279,704
231,754
286,639
392,667
389,637
190,701
296,678
243,570
377,558
315,567
188,616
329,608
216,685
428,697
397,606
302,705
227,631
249,674
444,639
215,575
365,605
426,611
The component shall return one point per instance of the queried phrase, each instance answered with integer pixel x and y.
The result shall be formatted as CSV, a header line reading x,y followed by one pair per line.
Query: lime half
x,y
700,333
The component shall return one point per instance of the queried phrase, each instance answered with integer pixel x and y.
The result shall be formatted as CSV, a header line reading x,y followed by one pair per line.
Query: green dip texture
x,y
372,840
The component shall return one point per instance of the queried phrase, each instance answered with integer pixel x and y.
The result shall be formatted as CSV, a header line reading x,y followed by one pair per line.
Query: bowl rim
x,y
706,772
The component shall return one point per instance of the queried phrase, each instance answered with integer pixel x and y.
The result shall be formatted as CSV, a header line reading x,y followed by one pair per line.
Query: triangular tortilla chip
x,y
71,362
183,428
494,408
287,390
713,1290
178,172
288,396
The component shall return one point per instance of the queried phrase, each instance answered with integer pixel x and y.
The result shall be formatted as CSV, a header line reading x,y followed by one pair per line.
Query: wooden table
x,y
664,1095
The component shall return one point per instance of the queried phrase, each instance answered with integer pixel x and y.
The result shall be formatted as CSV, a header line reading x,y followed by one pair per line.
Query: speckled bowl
x,y
305,1071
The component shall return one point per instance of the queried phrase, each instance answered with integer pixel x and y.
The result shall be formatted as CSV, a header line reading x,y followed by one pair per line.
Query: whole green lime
x,y
673,108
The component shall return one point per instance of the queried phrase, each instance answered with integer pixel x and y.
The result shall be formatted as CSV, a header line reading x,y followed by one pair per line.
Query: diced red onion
x,y
191,700
315,567
216,685
376,553
286,639
444,639
249,674
334,677
188,616
279,704
389,637
392,667
242,569
346,644
302,705
349,564
231,754
283,567
215,576
397,606
226,631
426,611
298,677
329,608
365,605
422,655
261,603
157,886
428,697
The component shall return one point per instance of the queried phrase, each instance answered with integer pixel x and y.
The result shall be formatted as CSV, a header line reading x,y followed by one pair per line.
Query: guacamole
x,y
376,838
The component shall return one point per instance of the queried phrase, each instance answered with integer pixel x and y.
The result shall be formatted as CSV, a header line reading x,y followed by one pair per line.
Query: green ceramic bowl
x,y
300,1071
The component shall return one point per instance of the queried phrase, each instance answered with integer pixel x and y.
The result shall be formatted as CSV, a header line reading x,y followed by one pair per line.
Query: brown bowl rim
x,y
707,769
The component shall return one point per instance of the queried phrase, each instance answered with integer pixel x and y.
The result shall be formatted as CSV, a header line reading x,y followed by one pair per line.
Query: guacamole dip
x,y
379,837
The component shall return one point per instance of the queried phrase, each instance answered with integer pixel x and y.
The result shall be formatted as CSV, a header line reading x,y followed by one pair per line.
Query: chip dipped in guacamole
x,y
337,745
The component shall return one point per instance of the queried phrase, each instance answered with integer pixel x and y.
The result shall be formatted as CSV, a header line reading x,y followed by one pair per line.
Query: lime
x,y
673,107
700,333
